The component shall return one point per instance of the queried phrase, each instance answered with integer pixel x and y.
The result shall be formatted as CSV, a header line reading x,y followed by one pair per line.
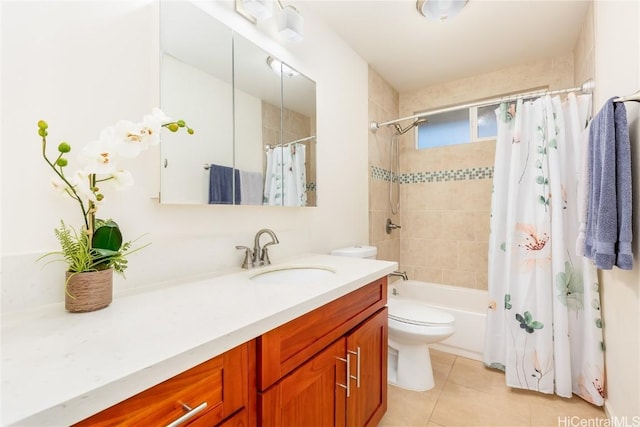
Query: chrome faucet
x,y
258,256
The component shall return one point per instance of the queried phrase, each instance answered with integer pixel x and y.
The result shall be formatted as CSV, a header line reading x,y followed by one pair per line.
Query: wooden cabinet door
x,y
367,402
310,395
224,383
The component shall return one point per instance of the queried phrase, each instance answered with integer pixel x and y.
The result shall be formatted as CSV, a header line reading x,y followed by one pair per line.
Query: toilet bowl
x,y
414,325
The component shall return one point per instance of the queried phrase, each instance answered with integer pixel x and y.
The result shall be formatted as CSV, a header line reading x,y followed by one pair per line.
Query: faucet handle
x,y
264,254
247,256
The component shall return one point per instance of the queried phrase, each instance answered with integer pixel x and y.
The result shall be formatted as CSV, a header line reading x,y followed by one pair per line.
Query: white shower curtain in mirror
x,y
543,323
286,177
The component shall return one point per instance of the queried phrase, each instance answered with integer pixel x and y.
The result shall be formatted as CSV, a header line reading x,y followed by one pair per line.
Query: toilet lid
x,y
417,313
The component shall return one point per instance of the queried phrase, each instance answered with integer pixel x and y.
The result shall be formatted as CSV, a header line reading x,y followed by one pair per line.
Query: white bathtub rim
x,y
468,305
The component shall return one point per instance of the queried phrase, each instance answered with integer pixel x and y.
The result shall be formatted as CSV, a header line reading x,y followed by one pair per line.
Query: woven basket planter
x,y
89,291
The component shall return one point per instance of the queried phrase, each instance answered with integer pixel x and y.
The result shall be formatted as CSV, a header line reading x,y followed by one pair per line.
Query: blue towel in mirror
x,y
221,188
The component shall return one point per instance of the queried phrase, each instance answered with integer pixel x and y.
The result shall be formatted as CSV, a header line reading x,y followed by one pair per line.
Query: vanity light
x,y
440,10
290,21
290,24
259,9
281,68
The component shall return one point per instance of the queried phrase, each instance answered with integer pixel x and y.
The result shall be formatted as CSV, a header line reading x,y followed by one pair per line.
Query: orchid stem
x,y
62,177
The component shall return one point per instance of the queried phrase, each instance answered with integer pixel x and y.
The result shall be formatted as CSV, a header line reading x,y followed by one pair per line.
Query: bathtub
x,y
468,306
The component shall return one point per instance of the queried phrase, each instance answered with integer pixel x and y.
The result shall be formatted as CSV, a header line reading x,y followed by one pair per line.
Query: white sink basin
x,y
293,274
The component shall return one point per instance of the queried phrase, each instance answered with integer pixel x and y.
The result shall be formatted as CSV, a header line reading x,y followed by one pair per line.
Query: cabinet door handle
x,y
191,412
357,377
348,384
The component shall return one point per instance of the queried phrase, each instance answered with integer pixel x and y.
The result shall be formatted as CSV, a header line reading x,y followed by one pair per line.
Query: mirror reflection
x,y
195,82
298,144
255,118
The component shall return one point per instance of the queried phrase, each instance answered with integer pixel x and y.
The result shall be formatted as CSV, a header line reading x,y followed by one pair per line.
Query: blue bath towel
x,y
221,183
608,232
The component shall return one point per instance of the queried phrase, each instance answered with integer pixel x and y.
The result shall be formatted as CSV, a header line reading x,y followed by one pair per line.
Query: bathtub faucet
x,y
402,274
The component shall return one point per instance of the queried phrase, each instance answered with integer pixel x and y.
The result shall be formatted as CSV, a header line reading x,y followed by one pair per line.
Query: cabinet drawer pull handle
x,y
191,412
348,385
357,377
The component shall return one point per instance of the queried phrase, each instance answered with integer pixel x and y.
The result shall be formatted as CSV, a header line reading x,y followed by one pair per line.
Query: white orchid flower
x,y
100,156
82,184
127,138
60,186
136,137
122,179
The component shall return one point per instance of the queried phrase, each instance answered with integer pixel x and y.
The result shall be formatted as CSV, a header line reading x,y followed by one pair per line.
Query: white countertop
x,y
59,368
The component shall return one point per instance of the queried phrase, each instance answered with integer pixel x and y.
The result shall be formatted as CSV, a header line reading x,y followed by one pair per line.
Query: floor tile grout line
x,y
446,380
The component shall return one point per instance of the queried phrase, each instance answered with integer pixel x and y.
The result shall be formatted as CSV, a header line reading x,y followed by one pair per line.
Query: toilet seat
x,y
417,313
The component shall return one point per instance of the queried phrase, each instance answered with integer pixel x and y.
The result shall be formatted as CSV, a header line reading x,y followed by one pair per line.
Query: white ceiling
x,y
412,52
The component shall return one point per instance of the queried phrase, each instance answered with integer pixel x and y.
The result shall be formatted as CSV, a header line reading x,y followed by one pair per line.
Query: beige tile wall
x,y
445,230
445,225
584,60
383,106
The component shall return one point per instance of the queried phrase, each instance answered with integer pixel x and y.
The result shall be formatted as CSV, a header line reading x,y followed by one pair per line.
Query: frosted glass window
x,y
444,129
487,125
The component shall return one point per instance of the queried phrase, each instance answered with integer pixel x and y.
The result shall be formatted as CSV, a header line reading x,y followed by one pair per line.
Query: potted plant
x,y
97,249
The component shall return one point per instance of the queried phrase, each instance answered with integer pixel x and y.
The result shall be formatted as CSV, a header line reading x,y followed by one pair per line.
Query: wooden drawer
x,y
221,382
283,349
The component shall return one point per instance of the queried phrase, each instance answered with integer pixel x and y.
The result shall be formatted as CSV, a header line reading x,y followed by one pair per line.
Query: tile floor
x,y
468,394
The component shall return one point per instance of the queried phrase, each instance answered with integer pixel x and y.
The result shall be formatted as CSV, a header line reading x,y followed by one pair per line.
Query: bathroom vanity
x,y
257,353
329,366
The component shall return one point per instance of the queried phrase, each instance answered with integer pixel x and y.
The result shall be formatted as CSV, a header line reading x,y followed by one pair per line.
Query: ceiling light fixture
x,y
280,68
440,10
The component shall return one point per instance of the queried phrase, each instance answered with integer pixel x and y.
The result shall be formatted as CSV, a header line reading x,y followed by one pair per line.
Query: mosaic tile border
x,y
435,176
380,173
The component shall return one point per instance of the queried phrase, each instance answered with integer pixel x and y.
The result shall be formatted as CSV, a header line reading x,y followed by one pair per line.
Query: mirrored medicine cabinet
x,y
254,117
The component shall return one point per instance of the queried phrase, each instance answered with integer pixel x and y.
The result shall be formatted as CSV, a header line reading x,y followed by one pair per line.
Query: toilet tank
x,y
358,251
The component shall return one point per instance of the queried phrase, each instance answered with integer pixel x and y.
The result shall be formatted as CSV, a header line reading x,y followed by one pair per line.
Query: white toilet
x,y
413,325
358,251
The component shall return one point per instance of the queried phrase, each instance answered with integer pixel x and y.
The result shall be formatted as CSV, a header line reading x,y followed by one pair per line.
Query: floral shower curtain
x,y
286,177
543,323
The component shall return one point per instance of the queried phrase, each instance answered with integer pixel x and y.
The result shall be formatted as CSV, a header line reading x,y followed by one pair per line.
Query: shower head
x,y
416,122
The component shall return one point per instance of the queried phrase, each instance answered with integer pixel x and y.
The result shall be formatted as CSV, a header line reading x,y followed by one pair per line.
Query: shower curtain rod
x,y
586,87
290,142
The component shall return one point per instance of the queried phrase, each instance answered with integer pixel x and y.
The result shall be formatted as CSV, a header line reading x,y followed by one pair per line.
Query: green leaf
x,y
507,303
570,288
105,252
542,200
535,325
540,180
107,236
553,144
527,317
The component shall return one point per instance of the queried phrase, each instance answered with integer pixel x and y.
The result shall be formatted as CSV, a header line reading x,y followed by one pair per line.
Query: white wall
x,y
84,65
207,101
617,67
